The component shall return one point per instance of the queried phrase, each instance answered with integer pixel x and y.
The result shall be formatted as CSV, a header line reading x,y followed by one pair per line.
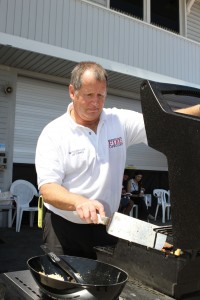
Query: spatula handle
x,y
103,220
64,265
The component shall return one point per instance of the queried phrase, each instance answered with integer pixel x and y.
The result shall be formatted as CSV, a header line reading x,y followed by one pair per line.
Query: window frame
x,y
147,15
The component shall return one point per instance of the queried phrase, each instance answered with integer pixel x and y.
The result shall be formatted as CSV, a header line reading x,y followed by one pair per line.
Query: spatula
x,y
65,266
133,230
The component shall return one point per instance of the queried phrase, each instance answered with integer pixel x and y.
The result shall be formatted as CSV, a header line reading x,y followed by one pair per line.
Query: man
x,y
80,159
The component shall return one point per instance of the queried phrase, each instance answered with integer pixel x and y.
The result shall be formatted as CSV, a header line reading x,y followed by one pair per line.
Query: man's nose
x,y
95,100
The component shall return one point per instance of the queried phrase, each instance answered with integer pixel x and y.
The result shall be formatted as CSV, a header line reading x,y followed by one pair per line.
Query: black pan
x,y
101,280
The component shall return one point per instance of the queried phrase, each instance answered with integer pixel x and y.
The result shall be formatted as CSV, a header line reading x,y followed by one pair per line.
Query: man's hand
x,y
88,209
60,197
192,110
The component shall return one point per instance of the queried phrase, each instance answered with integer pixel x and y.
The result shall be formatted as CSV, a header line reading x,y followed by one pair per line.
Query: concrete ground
x,y
17,247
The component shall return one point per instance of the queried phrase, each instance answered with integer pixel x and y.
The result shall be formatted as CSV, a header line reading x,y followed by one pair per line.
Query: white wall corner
x,y
189,5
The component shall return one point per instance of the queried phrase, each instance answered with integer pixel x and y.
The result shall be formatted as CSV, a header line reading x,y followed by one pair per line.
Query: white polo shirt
x,y
87,163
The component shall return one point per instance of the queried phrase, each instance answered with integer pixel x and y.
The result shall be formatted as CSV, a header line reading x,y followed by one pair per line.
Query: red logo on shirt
x,y
115,142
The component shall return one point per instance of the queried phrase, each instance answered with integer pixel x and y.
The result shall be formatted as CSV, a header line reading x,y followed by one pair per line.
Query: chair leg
x,y
134,211
168,213
10,218
31,218
131,211
156,212
163,213
19,220
14,216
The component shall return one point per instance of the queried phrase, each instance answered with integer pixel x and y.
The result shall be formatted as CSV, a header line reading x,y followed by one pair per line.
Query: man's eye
x,y
99,96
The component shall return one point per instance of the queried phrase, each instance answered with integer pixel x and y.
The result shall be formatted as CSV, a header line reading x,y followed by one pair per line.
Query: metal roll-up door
x,y
37,103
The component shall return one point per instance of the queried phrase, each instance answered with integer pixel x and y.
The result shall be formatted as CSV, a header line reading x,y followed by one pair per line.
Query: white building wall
x,y
193,22
88,28
7,115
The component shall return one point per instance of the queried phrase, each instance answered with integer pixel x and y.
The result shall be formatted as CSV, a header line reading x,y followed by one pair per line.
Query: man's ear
x,y
71,91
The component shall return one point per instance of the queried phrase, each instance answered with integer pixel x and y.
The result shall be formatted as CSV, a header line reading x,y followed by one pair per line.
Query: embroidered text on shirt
x,y
115,142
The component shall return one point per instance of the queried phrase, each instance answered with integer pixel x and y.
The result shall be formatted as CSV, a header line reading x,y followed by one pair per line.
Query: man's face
x,y
89,100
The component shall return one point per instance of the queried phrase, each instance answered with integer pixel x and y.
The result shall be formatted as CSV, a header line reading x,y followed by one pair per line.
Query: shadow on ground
x,y
17,247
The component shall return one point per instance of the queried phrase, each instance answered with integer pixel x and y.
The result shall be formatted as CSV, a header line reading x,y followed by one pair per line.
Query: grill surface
x,y
175,276
167,230
20,285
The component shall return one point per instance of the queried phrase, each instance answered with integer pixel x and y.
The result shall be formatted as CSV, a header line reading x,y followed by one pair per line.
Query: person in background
x,y
80,159
125,180
135,188
126,203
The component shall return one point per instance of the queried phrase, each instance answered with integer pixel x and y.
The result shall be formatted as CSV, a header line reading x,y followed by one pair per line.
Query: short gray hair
x,y
76,74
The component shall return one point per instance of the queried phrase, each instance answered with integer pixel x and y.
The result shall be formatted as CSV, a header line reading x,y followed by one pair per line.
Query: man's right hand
x,y
60,197
87,210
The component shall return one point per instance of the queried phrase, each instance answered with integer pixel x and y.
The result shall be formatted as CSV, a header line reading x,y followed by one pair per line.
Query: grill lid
x,y
178,137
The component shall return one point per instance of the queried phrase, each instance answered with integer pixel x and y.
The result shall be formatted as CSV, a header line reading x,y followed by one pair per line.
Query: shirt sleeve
x,y
48,163
134,127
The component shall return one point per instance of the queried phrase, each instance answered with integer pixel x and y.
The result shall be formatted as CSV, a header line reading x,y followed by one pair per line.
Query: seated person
x,y
135,188
126,203
125,180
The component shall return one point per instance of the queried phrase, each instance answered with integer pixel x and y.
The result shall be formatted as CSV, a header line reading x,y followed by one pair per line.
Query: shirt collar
x,y
102,117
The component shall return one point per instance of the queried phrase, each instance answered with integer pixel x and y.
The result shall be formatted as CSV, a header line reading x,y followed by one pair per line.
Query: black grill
x,y
178,137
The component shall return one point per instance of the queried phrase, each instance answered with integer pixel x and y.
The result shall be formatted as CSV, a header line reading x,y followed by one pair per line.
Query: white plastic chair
x,y
148,199
134,211
23,192
163,200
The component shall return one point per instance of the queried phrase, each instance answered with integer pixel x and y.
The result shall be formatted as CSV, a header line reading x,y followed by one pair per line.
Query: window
x,y
131,7
165,13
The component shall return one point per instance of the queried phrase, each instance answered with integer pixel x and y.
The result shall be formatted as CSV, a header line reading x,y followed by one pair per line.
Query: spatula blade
x,y
133,230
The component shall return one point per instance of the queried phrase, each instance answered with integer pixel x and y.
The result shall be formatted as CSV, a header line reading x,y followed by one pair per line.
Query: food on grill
x,y
168,248
55,276
177,252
